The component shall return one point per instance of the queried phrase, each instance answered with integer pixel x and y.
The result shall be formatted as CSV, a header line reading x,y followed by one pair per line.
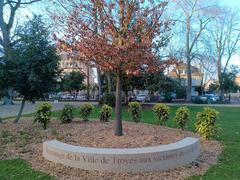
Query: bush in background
x,y
197,100
1,120
205,123
135,110
105,113
182,117
66,115
108,99
85,111
43,114
161,112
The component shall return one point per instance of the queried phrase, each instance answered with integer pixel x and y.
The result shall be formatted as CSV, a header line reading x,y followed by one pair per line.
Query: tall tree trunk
x,y
8,98
88,82
109,83
126,97
189,74
99,83
20,111
219,70
118,107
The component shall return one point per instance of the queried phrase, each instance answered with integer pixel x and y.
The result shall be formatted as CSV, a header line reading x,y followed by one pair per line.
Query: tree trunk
x,y
88,83
118,107
189,81
109,83
219,70
8,98
99,83
126,97
189,74
20,111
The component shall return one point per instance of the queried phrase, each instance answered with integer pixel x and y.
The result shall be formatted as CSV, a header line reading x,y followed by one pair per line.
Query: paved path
x,y
12,110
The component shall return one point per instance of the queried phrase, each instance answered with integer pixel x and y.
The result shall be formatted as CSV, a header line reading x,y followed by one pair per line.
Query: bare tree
x,y
196,17
225,35
207,69
8,9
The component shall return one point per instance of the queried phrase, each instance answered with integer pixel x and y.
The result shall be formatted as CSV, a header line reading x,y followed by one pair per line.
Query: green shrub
x,y
85,111
182,117
108,99
1,120
161,112
135,109
205,123
67,114
43,114
105,113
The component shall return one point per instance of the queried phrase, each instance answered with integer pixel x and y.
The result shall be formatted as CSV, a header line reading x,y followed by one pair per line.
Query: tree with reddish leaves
x,y
119,36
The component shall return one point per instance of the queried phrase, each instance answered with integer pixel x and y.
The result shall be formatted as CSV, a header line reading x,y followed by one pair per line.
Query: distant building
x,y
237,80
180,72
68,64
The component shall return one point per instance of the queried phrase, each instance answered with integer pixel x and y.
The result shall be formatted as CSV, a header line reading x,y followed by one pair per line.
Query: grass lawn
x,y
18,169
228,166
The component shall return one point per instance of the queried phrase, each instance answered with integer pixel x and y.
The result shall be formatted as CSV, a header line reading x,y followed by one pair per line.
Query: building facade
x,y
180,72
68,64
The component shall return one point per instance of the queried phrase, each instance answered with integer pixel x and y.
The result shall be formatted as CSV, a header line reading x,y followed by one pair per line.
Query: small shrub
x,y
108,99
67,114
135,109
161,112
43,114
105,113
205,123
85,111
182,117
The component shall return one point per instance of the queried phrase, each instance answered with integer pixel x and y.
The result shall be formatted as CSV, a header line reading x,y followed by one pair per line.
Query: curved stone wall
x,y
143,159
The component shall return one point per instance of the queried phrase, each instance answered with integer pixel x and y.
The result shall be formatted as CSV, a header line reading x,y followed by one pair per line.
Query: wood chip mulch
x,y
25,139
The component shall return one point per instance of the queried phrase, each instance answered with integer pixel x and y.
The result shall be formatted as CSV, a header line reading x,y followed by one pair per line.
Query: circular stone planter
x,y
163,157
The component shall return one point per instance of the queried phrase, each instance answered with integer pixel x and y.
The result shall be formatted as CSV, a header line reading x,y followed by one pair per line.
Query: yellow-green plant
x,y
43,114
135,109
182,117
67,114
105,113
161,112
205,123
86,110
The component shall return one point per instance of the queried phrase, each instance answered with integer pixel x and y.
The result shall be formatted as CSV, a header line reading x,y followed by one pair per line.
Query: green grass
x,y
227,168
18,169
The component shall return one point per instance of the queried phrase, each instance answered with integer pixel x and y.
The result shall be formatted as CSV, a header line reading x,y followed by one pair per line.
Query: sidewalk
x,y
12,110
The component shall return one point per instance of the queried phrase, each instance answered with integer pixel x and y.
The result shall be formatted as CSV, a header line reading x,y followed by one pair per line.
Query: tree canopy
x,y
119,36
73,81
36,59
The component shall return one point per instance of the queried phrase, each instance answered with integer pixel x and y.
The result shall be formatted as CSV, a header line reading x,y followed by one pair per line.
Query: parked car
x,y
67,97
142,97
81,98
209,98
132,98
